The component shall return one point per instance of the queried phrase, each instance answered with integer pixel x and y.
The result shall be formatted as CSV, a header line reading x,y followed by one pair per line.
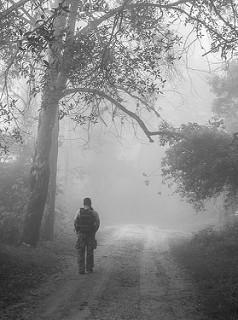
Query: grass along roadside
x,y
23,269
211,259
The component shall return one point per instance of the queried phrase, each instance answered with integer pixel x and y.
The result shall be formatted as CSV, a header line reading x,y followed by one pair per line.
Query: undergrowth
x,y
211,258
23,269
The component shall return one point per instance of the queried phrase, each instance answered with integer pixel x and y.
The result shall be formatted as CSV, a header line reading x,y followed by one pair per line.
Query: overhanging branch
x,y
131,114
95,23
29,19
143,101
13,8
203,23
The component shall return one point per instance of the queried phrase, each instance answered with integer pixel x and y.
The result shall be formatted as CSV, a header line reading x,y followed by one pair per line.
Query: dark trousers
x,y
85,246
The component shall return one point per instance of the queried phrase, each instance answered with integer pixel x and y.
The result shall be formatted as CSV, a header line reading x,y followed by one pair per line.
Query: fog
x,y
113,175
120,170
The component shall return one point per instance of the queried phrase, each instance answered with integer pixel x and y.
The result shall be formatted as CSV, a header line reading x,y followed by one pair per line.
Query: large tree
x,y
49,211
116,54
96,52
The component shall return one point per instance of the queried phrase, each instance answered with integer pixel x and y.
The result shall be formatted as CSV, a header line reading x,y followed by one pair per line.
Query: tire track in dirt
x,y
121,296
166,291
135,279
104,296
75,293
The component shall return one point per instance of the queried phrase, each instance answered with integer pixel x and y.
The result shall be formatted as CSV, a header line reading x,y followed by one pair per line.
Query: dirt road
x,y
135,278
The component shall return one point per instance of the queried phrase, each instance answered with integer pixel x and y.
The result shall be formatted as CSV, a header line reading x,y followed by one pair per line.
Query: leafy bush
x,y
211,258
14,191
202,164
23,269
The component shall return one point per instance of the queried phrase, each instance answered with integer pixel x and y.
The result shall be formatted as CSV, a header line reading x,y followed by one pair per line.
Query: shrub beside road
x,y
211,259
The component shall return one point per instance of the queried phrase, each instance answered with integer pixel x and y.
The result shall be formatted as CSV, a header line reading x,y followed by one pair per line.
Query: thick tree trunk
x,y
49,213
56,78
40,170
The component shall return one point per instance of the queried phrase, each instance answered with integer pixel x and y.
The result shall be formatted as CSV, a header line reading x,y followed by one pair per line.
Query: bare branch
x,y
143,101
29,18
95,23
13,8
133,115
234,11
221,18
196,19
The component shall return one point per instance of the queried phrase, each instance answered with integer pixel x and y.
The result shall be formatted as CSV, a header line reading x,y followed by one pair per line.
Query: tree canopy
x,y
202,163
225,104
85,58
118,51
112,53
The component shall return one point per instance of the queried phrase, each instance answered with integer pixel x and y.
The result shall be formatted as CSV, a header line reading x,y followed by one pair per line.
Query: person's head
x,y
87,203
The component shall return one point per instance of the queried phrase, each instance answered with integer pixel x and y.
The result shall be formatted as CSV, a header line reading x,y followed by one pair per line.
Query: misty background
x,y
115,165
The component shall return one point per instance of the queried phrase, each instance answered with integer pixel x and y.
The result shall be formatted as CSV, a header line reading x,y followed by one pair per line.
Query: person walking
x,y
86,225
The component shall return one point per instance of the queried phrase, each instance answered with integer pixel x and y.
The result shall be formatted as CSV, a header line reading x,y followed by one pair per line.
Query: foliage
x,y
217,18
14,173
15,24
210,259
97,56
111,63
23,270
202,163
225,105
9,134
117,51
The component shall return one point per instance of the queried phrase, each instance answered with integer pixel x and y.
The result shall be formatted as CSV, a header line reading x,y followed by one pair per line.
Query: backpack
x,y
85,221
